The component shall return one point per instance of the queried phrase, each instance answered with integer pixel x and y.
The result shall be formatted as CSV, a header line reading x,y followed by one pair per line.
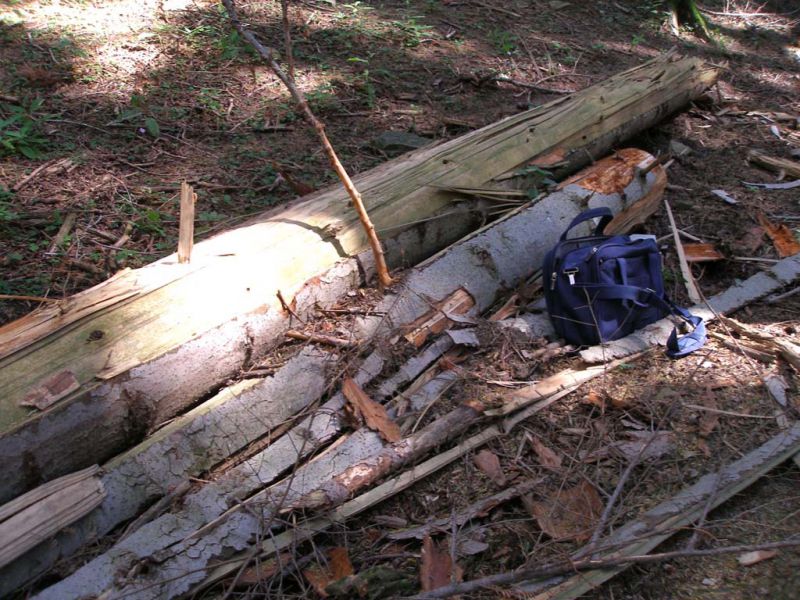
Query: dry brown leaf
x,y
708,420
487,461
340,565
646,445
437,567
264,570
374,414
569,514
319,578
752,558
547,458
782,237
751,240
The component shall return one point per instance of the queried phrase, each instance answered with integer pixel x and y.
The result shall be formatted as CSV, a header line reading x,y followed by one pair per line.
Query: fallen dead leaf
x,y
263,570
437,567
340,565
782,237
569,514
487,461
752,558
646,445
708,420
319,578
547,458
374,414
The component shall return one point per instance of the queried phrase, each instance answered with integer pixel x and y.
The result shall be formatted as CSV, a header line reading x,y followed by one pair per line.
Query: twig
x,y
186,226
778,297
10,99
496,8
26,180
63,232
287,308
320,339
28,298
384,279
562,568
728,413
287,37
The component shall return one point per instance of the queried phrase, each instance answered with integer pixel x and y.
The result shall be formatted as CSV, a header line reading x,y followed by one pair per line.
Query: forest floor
x,y
110,105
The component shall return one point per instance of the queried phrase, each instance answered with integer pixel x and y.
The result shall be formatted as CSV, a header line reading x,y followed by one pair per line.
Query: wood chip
x,y
319,578
701,253
782,238
51,390
569,514
755,557
437,566
374,414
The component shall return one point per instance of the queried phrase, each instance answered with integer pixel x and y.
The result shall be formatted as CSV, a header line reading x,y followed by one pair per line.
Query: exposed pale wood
x,y
701,252
437,319
297,241
639,212
44,512
37,494
63,232
123,409
773,163
686,271
186,225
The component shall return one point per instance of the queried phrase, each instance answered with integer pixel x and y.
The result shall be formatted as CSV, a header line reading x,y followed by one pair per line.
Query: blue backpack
x,y
601,288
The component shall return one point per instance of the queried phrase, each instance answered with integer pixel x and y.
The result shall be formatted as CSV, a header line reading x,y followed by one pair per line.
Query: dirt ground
x,y
109,105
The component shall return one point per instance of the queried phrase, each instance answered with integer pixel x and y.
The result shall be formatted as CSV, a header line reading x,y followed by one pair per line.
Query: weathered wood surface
x,y
203,527
41,513
153,341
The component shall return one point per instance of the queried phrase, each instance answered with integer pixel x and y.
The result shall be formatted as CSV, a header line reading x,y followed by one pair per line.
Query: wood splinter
x,y
186,228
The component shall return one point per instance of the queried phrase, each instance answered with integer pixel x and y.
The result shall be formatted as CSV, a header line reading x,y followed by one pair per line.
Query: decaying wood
x,y
787,350
146,337
320,339
186,225
701,252
37,515
773,163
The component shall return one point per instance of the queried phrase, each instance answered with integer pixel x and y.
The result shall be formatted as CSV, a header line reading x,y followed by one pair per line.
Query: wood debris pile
x,y
256,425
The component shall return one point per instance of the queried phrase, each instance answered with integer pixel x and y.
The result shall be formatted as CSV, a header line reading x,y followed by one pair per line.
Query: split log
x,y
151,342
498,244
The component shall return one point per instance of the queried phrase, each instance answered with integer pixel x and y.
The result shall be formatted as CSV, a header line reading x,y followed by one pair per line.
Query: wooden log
x,y
37,515
499,247
773,163
155,340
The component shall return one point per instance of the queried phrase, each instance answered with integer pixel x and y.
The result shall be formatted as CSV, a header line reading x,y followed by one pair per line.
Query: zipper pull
x,y
570,273
553,278
589,257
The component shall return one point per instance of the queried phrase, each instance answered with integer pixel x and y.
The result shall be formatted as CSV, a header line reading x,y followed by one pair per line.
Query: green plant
x,y
412,31
19,132
503,41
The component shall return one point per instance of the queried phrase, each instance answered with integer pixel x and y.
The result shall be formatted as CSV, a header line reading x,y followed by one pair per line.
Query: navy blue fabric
x,y
601,288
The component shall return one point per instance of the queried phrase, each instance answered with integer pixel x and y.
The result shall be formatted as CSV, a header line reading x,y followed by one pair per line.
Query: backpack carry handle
x,y
603,212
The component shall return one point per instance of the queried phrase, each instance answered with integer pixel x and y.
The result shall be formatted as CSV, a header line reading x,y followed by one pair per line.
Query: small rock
x,y
709,581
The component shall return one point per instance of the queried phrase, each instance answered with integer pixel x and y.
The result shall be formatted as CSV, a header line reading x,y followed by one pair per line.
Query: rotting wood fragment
x,y
439,317
701,253
51,390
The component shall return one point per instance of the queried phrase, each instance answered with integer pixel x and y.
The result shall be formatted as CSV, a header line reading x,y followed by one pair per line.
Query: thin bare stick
x,y
28,298
320,339
563,568
691,286
287,37
384,279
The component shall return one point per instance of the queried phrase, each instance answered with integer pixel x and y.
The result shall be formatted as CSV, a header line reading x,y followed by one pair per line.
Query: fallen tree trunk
x,y
151,342
466,277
